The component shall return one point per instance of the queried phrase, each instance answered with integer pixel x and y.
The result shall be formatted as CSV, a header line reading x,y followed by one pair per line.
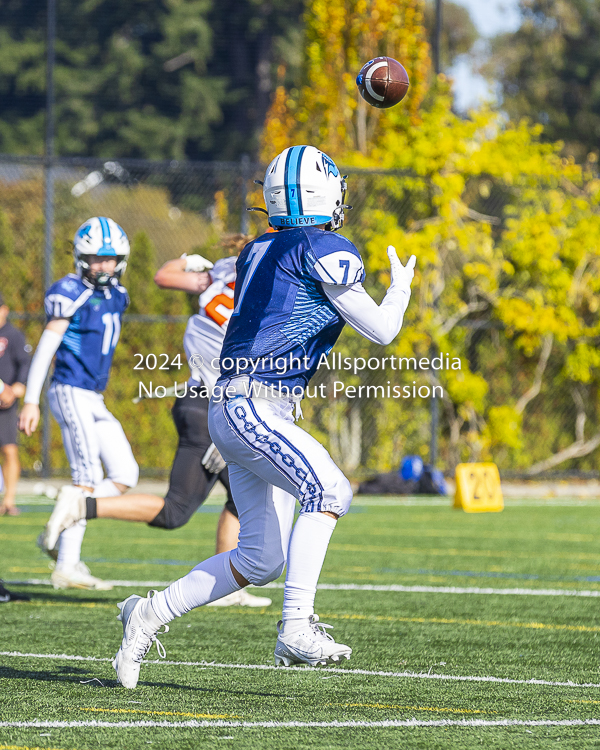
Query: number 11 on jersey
x,y
112,331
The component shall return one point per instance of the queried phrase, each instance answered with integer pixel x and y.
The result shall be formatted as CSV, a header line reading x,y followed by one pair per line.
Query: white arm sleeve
x,y
40,364
378,323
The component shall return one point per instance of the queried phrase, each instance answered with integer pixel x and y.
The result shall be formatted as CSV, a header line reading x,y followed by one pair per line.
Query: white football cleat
x,y
69,508
309,645
41,543
241,598
140,628
77,577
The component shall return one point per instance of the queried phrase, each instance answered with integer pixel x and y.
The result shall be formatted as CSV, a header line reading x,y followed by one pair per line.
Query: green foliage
x,y
549,71
115,91
148,425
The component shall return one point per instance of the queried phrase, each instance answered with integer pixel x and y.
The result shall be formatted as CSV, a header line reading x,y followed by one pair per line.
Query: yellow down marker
x,y
478,488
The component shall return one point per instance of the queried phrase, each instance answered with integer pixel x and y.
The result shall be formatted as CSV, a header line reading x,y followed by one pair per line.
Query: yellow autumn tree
x,y
340,38
507,237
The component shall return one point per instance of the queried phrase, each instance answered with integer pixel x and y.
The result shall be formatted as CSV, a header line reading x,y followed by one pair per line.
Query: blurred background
x,y
161,114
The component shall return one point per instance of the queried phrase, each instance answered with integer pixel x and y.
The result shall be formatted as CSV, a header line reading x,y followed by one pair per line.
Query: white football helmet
x,y
303,188
104,238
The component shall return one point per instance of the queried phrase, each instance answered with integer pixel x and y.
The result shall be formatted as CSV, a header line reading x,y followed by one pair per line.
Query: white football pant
x,y
92,436
272,462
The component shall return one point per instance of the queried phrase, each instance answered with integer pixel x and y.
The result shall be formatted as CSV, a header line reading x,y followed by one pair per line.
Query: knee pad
x,y
173,514
128,474
337,498
261,572
259,578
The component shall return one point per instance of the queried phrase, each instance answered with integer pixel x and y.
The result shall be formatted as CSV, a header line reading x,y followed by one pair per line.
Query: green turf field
x,y
442,657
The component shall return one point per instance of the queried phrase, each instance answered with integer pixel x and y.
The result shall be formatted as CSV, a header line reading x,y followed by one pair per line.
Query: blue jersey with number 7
x,y
280,309
85,355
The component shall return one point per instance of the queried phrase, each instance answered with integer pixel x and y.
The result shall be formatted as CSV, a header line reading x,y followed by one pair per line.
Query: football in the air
x,y
382,82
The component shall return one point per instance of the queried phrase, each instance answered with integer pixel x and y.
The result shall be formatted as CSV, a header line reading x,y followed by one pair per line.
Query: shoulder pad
x,y
337,261
65,297
224,270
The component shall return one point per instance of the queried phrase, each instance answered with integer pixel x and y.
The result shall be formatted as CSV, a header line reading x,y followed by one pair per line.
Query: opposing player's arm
x,y
7,395
186,274
378,323
42,359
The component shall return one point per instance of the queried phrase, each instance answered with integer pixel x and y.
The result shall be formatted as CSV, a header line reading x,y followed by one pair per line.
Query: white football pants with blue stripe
x,y
272,462
92,436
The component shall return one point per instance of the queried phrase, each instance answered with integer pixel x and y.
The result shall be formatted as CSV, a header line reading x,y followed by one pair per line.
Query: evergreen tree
x,y
171,79
549,70
130,78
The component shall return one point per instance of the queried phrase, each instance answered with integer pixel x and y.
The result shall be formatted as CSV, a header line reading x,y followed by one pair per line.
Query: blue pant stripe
x,y
294,450
298,453
295,480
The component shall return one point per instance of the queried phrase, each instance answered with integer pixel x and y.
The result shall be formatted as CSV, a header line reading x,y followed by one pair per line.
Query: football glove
x,y
196,263
401,275
213,461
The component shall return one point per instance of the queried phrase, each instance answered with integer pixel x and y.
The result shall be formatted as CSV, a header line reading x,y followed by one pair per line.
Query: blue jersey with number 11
x,y
85,355
280,309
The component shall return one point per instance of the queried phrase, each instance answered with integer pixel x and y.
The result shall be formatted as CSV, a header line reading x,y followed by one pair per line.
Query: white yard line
x,y
522,502
391,723
323,671
365,587
48,582
445,589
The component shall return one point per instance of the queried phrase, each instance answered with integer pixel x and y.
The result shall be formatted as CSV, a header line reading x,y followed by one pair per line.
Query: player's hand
x,y
401,275
196,263
213,461
7,397
29,418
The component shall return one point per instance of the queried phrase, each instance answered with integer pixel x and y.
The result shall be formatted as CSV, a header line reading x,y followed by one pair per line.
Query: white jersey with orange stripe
x,y
205,331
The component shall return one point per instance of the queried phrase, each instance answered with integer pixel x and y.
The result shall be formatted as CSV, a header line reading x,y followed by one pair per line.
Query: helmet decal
x,y
330,166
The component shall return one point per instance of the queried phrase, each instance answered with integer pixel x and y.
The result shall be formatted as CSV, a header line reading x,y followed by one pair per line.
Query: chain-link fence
x,y
169,208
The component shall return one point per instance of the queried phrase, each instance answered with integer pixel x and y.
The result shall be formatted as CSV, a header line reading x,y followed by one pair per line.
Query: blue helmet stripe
x,y
298,192
292,180
286,181
107,248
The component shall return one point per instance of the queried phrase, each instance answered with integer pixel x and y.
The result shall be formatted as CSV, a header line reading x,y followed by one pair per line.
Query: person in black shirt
x,y
7,398
14,366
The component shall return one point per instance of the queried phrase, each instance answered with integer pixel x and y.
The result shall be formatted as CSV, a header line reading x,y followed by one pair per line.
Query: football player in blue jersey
x,y
295,290
84,312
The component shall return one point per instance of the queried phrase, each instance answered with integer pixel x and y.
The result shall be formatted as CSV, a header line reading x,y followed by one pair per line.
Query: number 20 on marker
x,y
478,488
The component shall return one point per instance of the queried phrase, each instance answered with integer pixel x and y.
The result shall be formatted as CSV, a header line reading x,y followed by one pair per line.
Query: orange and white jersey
x,y
205,331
